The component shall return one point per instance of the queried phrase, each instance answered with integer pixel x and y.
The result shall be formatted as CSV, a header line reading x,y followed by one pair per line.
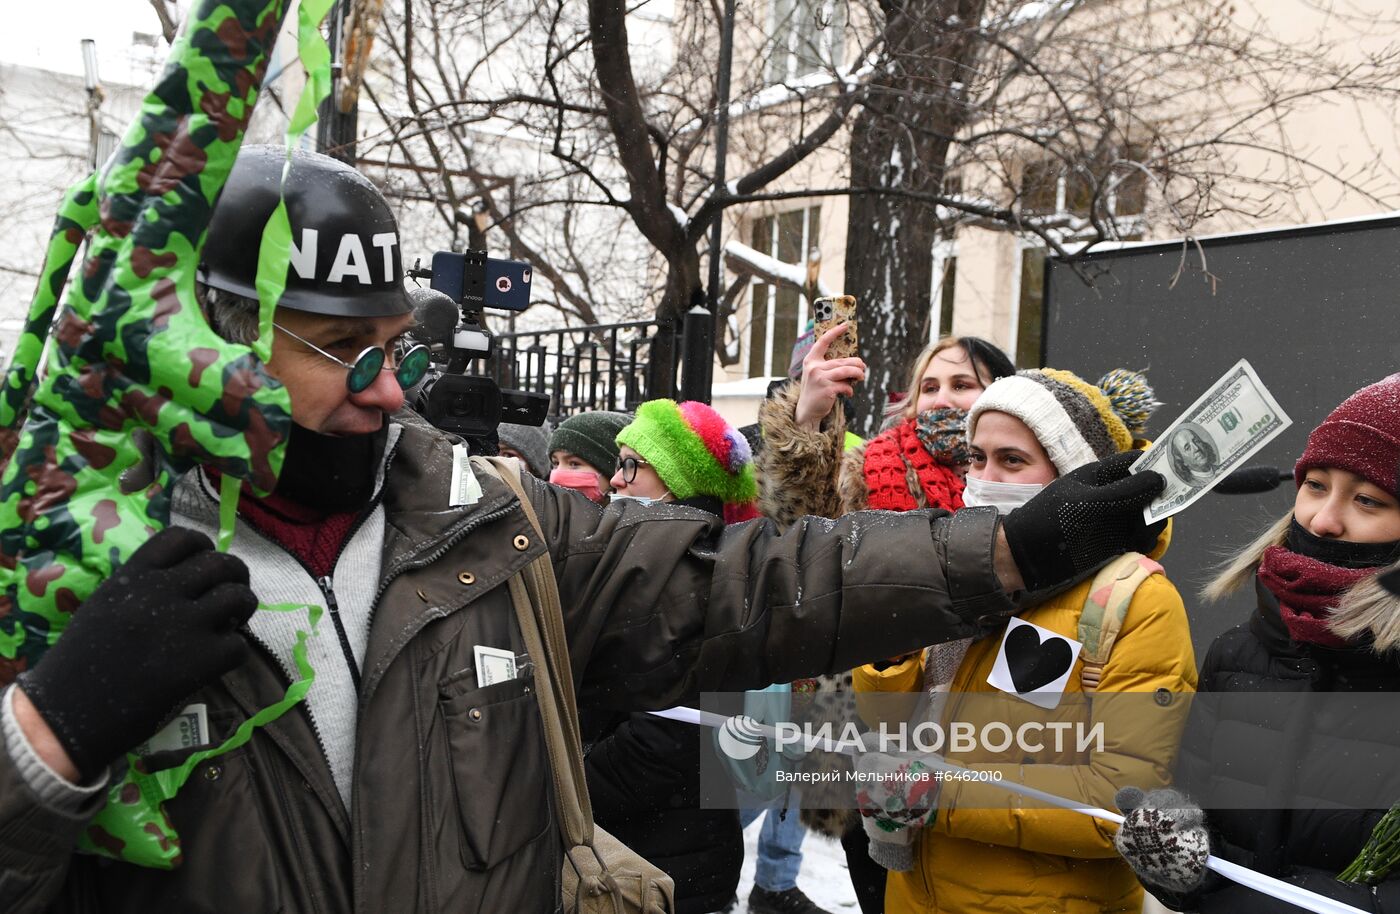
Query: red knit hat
x,y
1361,436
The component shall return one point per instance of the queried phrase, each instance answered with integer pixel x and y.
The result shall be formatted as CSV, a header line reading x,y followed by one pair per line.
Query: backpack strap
x,y
599,872
1110,595
535,594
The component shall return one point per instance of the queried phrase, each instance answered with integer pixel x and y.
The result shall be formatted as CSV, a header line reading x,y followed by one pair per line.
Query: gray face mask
x,y
1004,496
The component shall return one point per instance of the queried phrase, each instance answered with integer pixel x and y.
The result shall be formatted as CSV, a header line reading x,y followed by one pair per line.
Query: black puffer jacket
x,y
644,781
1279,774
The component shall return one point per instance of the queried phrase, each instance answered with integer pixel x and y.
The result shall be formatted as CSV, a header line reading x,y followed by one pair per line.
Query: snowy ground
x,y
824,876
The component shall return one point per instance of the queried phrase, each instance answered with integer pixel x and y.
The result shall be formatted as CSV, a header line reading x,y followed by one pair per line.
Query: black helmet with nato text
x,y
345,257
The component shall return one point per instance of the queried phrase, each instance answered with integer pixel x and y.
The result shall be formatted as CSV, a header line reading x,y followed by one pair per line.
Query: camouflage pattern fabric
x,y
76,216
134,352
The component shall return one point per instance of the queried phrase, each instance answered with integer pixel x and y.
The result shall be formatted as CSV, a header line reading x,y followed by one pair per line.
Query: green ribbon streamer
x,y
230,489
124,828
275,251
166,783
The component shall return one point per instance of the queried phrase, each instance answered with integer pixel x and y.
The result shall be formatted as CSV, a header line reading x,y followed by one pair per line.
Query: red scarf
x,y
738,513
1307,591
315,539
886,458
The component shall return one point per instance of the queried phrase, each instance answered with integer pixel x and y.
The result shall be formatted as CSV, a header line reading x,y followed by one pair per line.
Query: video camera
x,y
448,321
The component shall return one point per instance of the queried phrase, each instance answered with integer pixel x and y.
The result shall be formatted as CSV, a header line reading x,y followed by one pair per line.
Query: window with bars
x,y
778,314
1030,309
945,279
945,272
1049,188
106,144
806,37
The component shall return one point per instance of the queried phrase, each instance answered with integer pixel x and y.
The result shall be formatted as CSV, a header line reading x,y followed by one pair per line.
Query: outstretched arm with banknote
x,y
1231,421
1082,520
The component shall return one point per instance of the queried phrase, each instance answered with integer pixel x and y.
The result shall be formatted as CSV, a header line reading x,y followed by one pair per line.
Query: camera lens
x,y
464,405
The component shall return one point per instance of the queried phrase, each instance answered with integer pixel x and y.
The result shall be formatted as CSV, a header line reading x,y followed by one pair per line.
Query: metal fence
x,y
606,366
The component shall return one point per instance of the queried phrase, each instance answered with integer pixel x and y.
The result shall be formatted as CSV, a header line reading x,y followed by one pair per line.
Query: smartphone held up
x,y
829,311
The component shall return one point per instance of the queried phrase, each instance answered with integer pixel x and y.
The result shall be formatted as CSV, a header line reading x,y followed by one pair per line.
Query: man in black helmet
x,y
344,305
414,775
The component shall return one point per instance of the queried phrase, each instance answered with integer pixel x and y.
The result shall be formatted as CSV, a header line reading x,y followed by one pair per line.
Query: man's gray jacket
x,y
449,791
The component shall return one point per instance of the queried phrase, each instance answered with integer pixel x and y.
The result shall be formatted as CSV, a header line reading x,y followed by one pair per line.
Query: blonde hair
x,y
910,407
1239,571
1368,609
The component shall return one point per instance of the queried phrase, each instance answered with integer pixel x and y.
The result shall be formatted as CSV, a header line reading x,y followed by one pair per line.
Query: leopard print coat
x,y
804,473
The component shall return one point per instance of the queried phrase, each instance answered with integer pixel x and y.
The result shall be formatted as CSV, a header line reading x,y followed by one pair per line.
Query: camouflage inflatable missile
x,y
76,216
134,352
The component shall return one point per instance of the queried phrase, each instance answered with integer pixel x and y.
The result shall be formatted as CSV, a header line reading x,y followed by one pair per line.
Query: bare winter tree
x,y
452,145
50,128
44,126
603,121
1072,123
586,132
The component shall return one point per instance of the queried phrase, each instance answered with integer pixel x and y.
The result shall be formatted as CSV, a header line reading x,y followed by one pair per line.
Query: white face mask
x,y
615,497
1004,496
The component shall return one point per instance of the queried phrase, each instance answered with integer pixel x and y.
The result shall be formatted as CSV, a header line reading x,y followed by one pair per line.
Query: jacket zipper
x,y
295,826
287,683
324,584
334,608
428,558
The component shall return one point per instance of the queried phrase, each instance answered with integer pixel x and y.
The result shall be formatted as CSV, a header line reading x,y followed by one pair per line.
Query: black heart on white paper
x,y
1034,663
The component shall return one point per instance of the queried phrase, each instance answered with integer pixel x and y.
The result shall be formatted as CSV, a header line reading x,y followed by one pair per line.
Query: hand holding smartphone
x,y
833,365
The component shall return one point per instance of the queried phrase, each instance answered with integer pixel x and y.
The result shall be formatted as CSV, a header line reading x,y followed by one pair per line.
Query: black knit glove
x,y
1082,520
1163,837
165,624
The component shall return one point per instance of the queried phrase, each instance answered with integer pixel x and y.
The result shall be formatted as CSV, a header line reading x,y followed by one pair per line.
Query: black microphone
x,y
435,315
1391,582
1252,480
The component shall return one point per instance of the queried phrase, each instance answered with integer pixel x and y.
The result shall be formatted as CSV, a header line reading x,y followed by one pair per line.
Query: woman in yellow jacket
x,y
987,850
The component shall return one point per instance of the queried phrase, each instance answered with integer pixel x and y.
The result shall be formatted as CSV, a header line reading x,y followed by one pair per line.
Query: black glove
x,y
1082,520
165,624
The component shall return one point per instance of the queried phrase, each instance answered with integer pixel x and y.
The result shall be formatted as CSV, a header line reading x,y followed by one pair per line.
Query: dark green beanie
x,y
591,436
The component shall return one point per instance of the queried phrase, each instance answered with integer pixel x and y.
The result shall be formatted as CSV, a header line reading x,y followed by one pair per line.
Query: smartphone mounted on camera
x,y
830,311
476,281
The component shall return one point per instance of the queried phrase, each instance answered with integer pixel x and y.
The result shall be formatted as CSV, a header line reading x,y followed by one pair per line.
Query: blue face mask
x,y
1004,496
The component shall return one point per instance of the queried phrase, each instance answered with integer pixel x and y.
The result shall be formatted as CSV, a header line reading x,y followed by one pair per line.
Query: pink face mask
x,y
585,481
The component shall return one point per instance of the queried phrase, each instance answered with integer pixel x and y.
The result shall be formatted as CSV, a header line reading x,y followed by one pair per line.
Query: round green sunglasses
x,y
410,368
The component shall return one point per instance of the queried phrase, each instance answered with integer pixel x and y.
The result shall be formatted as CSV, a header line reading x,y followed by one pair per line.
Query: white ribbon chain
x,y
1268,885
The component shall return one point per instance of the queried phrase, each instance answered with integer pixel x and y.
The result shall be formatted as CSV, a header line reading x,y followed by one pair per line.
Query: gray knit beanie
x,y
591,436
532,441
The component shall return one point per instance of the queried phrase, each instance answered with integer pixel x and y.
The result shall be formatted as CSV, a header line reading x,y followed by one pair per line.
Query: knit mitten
x,y
898,796
893,850
1163,837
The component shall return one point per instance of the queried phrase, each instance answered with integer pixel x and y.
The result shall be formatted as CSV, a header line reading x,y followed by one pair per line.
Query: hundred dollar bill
x,y
1231,421
190,728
